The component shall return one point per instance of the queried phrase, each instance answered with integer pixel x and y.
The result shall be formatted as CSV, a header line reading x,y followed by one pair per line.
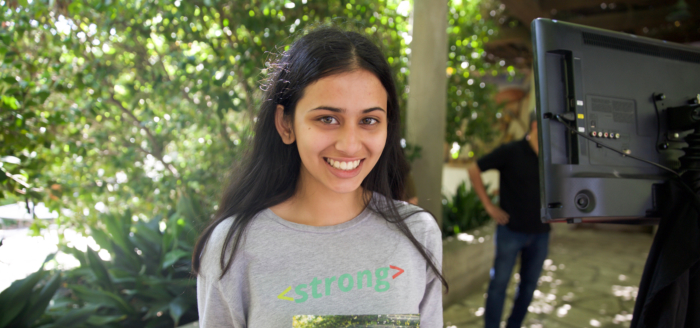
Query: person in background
x,y
519,230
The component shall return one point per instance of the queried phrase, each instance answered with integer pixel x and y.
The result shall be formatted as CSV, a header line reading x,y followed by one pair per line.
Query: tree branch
x,y
157,148
169,166
136,122
222,131
239,72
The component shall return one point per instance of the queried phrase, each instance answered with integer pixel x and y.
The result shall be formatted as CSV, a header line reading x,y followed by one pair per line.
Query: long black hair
x,y
268,175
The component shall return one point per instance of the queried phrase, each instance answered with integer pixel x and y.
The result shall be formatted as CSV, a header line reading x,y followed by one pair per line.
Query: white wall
x,y
452,176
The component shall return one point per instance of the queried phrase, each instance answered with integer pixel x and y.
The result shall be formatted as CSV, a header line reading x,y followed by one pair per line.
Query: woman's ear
x,y
284,126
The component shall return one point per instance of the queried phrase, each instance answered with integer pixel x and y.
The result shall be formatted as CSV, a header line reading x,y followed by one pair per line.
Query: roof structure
x,y
671,20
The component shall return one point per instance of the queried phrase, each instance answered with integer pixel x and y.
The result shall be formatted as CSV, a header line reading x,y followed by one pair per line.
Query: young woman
x,y
309,231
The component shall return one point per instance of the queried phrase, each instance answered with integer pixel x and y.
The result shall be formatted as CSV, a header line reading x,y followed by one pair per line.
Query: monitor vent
x,y
641,48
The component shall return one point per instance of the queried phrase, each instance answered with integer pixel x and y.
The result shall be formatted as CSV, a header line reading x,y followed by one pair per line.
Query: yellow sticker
x,y
580,116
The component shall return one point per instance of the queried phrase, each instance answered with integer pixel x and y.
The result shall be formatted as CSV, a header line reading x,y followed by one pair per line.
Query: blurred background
x,y
120,118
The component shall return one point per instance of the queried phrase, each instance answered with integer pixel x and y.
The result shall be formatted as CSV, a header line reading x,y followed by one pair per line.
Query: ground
x,y
590,279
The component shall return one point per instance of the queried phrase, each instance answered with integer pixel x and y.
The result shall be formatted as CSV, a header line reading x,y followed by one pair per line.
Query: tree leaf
x,y
43,95
102,298
41,300
80,256
178,307
102,239
99,269
99,320
10,101
71,319
173,256
15,298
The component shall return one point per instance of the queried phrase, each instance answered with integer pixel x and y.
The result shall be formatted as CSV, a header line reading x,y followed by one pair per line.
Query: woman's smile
x,y
344,168
345,165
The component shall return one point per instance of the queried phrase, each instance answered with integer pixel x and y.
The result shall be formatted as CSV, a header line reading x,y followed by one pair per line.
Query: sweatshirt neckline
x,y
319,229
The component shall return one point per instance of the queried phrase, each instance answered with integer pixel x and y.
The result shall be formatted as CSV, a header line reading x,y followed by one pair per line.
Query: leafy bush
x,y
464,211
24,302
146,283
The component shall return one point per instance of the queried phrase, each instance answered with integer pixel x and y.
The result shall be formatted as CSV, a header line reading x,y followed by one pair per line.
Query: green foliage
x,y
146,282
24,302
139,104
25,83
471,109
463,212
412,152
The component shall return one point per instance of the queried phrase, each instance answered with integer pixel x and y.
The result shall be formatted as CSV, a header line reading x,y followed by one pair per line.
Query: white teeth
x,y
345,166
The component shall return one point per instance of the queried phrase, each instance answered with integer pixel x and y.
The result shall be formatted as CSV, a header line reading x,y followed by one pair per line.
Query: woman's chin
x,y
346,190
344,187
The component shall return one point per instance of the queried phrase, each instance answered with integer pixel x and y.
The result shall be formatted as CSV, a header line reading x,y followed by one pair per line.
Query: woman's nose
x,y
349,141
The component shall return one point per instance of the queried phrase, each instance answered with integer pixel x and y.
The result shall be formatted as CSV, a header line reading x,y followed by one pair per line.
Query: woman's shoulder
x,y
217,242
415,217
419,218
214,244
219,233
422,224
414,213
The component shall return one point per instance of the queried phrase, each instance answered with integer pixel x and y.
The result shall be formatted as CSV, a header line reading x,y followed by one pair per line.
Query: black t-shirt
x,y
519,185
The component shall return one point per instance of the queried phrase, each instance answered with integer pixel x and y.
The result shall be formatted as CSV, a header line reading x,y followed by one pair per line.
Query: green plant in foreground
x,y
24,302
464,211
146,283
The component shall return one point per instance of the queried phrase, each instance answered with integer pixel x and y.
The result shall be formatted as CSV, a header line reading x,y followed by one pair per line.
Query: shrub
x,y
145,283
464,211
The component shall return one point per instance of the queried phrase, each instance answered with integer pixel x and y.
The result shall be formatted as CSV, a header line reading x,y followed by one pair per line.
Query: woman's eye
x,y
328,120
369,121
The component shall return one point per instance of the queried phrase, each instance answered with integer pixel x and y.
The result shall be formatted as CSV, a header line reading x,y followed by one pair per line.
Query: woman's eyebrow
x,y
341,110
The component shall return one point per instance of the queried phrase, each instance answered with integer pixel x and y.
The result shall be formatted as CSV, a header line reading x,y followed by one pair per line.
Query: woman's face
x,y
340,127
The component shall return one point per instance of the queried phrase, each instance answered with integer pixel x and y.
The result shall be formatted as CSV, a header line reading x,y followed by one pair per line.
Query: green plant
x,y
24,302
464,211
146,283
412,152
133,104
471,111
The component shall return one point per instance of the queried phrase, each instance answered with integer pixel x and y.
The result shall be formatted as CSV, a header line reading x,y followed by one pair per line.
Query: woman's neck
x,y
315,205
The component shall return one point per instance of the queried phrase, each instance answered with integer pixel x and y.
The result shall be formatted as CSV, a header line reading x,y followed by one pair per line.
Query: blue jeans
x,y
533,249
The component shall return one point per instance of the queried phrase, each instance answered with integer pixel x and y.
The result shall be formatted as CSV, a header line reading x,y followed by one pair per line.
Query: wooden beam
x,y
524,10
507,42
559,5
625,21
510,35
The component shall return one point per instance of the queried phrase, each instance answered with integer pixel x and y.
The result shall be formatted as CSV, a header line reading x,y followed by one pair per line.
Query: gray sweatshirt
x,y
361,272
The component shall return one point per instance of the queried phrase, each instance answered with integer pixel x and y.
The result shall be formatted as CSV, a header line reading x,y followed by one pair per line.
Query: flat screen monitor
x,y
615,89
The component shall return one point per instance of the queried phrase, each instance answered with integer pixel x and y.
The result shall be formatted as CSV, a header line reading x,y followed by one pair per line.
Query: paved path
x,y
590,280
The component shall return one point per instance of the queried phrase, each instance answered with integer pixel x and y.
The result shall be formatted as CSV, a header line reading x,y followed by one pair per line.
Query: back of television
x,y
606,145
